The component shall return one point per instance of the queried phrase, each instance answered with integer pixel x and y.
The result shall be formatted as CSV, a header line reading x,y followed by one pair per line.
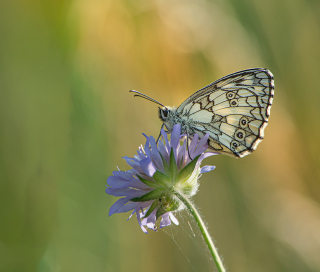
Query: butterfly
x,y
234,110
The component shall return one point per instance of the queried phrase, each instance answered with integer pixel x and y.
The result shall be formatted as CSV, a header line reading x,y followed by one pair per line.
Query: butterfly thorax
x,y
170,117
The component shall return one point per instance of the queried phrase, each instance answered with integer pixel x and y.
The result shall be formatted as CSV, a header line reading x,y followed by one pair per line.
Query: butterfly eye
x,y
163,114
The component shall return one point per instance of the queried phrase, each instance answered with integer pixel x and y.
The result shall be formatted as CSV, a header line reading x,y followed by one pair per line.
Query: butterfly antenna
x,y
138,94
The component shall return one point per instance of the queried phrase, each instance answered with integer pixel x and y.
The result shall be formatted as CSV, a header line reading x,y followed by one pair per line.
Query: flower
x,y
159,173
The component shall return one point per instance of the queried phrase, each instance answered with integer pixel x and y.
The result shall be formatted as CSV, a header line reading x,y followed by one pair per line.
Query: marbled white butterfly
x,y
234,110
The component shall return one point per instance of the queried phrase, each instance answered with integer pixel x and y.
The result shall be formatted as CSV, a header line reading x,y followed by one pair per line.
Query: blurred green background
x,y
67,119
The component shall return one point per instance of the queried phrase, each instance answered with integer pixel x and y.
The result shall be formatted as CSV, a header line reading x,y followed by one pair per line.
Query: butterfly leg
x,y
188,145
160,133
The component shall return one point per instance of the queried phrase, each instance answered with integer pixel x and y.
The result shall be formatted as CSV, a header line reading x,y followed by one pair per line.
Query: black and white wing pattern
x,y
234,110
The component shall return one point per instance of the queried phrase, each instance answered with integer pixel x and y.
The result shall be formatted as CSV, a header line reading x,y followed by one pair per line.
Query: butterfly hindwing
x,y
234,110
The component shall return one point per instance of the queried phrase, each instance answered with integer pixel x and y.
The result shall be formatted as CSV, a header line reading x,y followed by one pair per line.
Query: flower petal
x,y
175,139
173,218
132,193
175,135
123,174
155,155
203,144
148,167
139,221
182,156
193,144
141,155
207,168
150,221
118,204
119,182
165,137
134,205
134,163
165,221
147,147
206,155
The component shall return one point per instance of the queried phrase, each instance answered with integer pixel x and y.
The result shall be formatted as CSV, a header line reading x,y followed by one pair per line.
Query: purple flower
x,y
157,173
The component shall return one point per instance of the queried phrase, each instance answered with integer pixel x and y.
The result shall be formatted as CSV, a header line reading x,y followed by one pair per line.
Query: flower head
x,y
158,173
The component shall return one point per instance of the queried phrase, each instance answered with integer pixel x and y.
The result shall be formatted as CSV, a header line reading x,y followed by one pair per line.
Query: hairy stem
x,y
204,231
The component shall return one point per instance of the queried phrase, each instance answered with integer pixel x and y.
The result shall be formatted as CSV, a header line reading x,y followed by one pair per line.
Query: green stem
x,y
204,231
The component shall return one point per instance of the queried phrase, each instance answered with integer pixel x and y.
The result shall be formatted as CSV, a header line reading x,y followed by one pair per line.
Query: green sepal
x,y
165,164
187,171
167,205
173,168
152,208
156,193
161,178
149,183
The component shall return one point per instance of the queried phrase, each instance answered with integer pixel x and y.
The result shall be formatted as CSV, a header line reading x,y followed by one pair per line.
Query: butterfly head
x,y
164,113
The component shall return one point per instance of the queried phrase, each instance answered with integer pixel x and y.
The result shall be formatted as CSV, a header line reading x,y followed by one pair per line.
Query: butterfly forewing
x,y
234,110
